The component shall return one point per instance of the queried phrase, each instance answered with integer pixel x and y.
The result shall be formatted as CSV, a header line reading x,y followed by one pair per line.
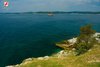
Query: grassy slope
x,y
89,59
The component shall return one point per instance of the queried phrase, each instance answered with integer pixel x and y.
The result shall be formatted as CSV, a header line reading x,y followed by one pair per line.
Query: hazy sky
x,y
50,5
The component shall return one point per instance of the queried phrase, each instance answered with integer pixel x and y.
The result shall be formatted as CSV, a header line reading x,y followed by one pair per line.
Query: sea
x,y
35,35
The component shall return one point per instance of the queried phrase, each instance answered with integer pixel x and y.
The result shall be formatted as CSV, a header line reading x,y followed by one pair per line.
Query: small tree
x,y
87,30
85,40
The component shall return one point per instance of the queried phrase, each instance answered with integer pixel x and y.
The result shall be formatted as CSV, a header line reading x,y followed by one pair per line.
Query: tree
x,y
87,30
85,40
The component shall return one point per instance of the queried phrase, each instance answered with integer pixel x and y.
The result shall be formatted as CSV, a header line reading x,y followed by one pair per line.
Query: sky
x,y
50,5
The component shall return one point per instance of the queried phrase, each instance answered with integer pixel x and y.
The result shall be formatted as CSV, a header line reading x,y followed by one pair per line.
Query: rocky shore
x,y
60,54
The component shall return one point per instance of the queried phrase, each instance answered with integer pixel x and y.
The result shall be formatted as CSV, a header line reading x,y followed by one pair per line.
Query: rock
x,y
29,59
89,50
62,54
96,34
9,66
13,65
43,58
72,41
17,65
40,58
65,54
73,49
46,57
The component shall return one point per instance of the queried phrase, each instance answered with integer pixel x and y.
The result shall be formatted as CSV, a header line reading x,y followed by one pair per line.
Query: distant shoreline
x,y
55,12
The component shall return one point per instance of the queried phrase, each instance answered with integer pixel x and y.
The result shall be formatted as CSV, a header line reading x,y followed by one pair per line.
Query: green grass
x,y
89,59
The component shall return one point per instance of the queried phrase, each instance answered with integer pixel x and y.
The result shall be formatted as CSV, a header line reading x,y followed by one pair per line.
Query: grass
x,y
89,59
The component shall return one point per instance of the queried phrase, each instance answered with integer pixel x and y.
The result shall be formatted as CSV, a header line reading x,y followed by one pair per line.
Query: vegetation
x,y
84,41
89,59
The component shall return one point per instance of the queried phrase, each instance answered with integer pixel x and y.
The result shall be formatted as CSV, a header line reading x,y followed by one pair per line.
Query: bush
x,y
85,40
87,30
81,48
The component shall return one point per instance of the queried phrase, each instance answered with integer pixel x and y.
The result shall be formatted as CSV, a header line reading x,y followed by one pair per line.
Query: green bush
x,y
81,48
85,40
87,30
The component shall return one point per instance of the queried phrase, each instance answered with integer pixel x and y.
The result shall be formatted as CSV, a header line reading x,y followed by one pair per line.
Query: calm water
x,y
32,35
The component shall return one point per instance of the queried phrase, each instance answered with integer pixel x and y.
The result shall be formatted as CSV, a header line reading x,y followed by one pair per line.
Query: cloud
x,y
53,5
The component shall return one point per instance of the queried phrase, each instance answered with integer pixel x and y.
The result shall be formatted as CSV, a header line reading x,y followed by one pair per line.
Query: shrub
x,y
85,40
81,48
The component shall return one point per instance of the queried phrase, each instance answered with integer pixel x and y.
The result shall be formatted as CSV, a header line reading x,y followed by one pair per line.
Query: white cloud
x,y
57,5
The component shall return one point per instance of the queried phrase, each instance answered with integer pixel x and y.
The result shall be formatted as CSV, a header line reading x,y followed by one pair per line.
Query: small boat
x,y
50,14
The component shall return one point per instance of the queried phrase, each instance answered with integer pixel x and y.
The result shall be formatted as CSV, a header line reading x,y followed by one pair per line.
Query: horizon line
x,y
54,12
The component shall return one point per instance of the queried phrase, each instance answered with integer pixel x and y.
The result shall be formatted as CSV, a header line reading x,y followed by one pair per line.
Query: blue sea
x,y
34,35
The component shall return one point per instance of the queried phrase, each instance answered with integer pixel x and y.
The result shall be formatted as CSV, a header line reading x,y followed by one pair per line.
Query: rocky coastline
x,y
60,54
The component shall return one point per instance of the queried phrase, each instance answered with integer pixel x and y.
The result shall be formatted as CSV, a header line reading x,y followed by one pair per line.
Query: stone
x,y
73,40
40,58
73,49
9,66
29,59
46,57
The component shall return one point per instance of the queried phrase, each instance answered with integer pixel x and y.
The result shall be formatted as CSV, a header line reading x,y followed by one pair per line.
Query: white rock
x,y
29,59
9,66
65,54
46,57
90,50
61,52
40,58
96,34
72,40
73,49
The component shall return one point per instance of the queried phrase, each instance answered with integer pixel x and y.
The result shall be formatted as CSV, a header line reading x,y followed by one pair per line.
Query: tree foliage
x,y
85,40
